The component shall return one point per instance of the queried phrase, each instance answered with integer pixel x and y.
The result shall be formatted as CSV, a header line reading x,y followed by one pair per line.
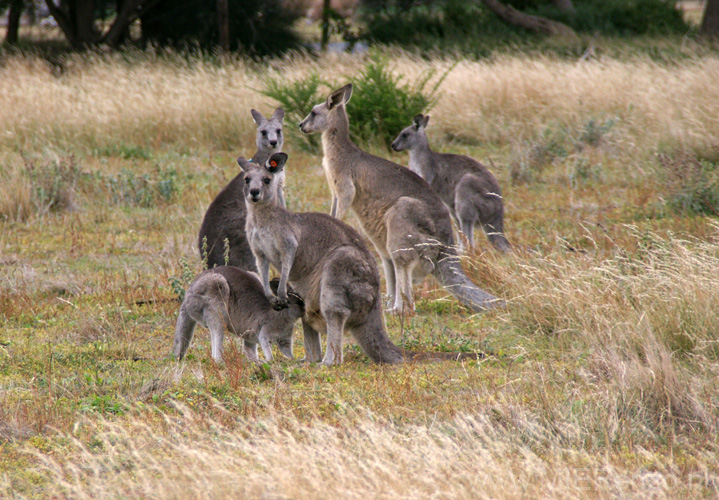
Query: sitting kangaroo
x,y
328,264
225,217
227,297
469,190
403,217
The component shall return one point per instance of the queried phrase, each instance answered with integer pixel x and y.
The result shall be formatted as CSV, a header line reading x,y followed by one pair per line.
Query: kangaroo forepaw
x,y
278,303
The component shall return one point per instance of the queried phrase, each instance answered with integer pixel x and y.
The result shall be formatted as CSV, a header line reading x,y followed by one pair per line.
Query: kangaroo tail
x,y
499,241
439,356
450,275
494,229
374,341
184,330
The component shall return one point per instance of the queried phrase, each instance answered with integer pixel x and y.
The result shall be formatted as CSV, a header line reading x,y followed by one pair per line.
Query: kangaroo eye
x,y
264,133
266,180
247,180
405,135
312,113
279,131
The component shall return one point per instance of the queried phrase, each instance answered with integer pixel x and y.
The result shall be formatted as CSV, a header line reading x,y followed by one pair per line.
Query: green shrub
x,y
381,103
297,98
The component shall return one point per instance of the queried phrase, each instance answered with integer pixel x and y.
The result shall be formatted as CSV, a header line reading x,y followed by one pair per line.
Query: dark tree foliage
x,y
257,28
461,25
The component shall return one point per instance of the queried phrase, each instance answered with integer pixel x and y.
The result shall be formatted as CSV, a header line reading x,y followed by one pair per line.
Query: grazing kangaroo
x,y
229,298
406,220
328,264
225,217
469,190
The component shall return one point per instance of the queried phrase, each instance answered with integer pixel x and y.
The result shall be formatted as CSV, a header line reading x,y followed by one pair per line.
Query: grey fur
x,y
466,186
225,217
326,262
229,298
403,217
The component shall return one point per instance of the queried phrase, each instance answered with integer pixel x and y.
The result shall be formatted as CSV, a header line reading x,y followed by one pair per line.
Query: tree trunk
x,y
223,24
13,21
533,23
710,21
565,5
83,16
325,24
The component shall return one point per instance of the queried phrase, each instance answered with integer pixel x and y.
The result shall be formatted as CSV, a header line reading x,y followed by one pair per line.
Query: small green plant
x,y
226,254
144,190
692,184
594,131
53,184
204,252
179,284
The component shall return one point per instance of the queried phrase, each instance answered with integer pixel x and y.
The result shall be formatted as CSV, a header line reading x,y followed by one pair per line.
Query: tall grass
x,y
99,100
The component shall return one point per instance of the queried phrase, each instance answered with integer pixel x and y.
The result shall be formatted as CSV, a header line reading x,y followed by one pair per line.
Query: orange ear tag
x,y
273,163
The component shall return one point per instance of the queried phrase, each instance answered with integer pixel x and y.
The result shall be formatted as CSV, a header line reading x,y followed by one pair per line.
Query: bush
x,y
297,98
381,104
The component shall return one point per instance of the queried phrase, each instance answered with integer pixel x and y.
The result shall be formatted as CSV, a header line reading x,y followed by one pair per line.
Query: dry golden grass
x,y
488,455
99,100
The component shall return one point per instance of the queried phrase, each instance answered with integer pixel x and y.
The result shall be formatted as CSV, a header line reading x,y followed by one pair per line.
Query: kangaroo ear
x,y
243,163
279,114
420,121
340,96
257,116
276,162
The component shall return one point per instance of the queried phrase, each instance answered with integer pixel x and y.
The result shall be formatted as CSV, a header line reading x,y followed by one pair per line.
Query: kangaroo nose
x,y
255,193
273,143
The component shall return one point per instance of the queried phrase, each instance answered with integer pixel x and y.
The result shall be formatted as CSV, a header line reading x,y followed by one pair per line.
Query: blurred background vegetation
x,y
271,27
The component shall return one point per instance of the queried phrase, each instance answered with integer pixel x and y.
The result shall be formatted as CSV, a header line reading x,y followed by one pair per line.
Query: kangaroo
x,y
227,297
403,217
225,217
328,264
469,190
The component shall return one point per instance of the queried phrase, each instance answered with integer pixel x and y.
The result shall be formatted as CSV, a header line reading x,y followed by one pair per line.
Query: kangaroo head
x,y
260,180
413,135
269,131
324,115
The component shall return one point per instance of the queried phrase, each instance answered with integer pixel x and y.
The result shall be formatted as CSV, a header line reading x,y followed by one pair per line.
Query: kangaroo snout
x,y
254,194
394,146
273,143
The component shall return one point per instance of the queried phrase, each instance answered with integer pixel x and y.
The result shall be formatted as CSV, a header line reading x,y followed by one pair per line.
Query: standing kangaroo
x,y
469,190
406,220
229,298
225,217
328,264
